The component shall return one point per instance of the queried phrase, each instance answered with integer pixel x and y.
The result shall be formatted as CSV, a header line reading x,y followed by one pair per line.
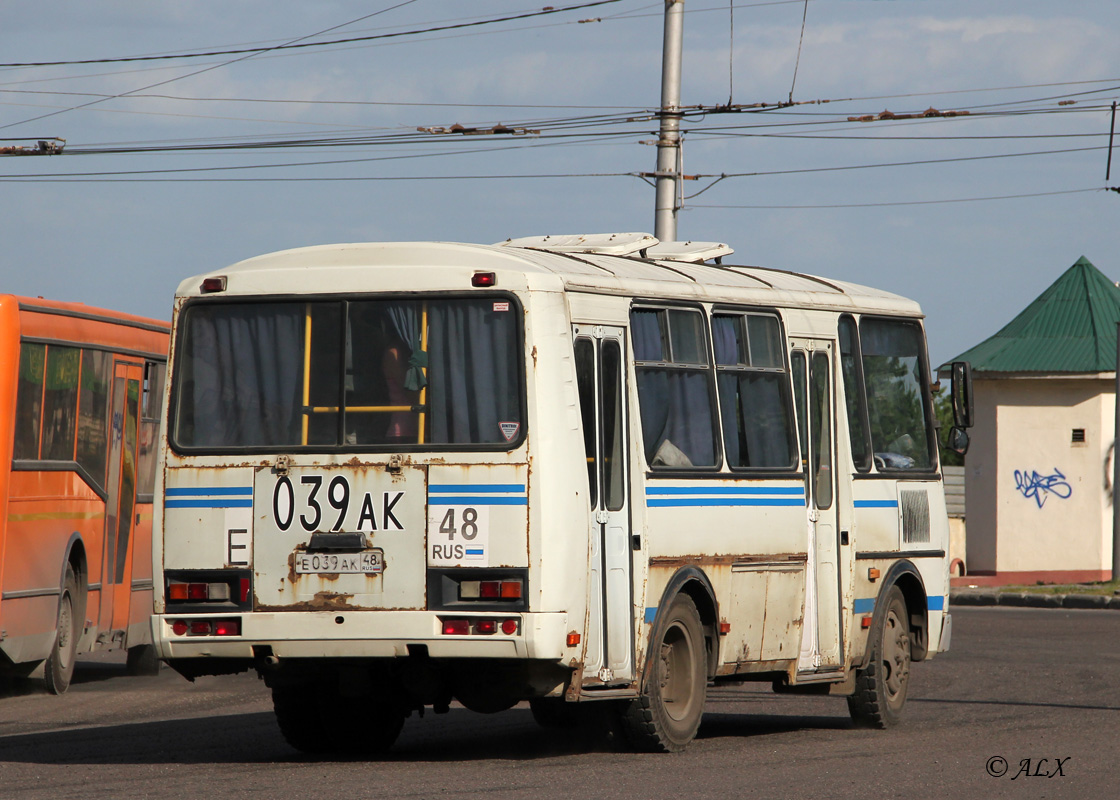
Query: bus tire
x,y
666,716
881,687
315,721
59,666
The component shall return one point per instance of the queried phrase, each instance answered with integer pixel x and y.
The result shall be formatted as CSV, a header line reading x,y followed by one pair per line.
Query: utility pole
x,y
669,140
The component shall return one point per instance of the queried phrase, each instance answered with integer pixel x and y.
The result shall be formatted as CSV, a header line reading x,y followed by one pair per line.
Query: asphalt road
x,y
1019,685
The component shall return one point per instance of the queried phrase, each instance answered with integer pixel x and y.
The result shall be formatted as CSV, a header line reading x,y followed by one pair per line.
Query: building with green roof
x,y
1036,475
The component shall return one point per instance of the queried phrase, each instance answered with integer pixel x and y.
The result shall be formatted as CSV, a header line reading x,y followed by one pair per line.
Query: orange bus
x,y
79,417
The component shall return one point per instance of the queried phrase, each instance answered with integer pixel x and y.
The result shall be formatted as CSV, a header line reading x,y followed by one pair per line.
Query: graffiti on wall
x,y
1041,487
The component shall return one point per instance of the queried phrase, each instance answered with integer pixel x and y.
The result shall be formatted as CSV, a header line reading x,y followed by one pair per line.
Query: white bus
x,y
567,469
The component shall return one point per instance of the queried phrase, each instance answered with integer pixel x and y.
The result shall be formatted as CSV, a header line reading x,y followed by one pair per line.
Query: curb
x,y
972,597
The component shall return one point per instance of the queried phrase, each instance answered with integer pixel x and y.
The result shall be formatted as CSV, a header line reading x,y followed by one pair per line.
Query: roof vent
x,y
693,252
611,244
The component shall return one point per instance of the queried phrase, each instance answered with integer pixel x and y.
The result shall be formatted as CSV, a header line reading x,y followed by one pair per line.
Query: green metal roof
x,y
1071,327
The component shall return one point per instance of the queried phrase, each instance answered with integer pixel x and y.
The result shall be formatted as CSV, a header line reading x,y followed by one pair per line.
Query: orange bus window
x,y
60,404
29,400
93,414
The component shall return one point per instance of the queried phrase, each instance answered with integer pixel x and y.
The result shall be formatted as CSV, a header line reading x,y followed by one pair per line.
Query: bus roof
x,y
77,324
351,268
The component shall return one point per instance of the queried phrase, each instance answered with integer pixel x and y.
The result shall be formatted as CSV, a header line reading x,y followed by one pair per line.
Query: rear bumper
x,y
365,634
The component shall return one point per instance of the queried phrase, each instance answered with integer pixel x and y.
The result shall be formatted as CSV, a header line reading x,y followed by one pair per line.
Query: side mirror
x,y
958,440
961,392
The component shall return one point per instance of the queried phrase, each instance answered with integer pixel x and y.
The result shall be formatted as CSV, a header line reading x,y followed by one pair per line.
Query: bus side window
x,y
93,415
894,367
60,403
674,387
29,400
149,425
851,368
753,390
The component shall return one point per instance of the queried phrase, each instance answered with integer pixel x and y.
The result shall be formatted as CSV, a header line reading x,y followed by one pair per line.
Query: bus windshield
x,y
341,374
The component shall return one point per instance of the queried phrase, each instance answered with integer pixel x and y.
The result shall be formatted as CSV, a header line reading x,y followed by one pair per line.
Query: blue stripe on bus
x,y
478,501
863,605
866,605
212,503
651,612
482,488
208,491
875,504
797,490
728,501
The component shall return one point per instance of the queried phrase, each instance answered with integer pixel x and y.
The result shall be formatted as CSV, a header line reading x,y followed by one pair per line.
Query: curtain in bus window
x,y
60,403
758,429
379,404
241,375
407,319
29,400
675,408
894,371
645,330
474,394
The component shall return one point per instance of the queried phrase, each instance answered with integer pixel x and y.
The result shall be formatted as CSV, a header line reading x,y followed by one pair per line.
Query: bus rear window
x,y
346,374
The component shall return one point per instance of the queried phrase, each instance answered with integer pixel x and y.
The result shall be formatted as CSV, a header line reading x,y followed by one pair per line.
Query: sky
x,y
181,165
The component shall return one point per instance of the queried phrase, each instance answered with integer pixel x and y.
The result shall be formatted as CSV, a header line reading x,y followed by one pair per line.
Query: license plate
x,y
366,562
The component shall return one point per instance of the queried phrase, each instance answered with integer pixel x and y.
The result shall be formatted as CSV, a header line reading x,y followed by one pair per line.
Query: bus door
x,y
811,366
601,378
120,505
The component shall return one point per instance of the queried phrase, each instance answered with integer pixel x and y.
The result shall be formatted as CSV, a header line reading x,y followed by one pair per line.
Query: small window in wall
x,y
1078,436
674,388
753,386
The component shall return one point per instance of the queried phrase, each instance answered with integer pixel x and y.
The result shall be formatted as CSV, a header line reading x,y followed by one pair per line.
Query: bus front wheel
x,y
666,716
59,666
881,687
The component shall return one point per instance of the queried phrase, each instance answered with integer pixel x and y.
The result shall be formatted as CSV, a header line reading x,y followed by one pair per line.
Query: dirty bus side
x,y
80,392
513,474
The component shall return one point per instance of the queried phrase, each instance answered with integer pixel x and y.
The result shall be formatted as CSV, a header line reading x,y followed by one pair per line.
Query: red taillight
x,y
210,285
227,627
509,626
198,591
201,627
456,627
486,626
511,590
179,627
490,590
245,586
484,279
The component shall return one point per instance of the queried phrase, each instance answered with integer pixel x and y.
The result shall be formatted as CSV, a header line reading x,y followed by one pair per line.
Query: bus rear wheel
x,y
666,716
881,688
316,721
58,669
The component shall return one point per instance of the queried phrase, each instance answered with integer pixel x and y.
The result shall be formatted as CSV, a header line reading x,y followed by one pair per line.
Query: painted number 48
x,y
468,529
